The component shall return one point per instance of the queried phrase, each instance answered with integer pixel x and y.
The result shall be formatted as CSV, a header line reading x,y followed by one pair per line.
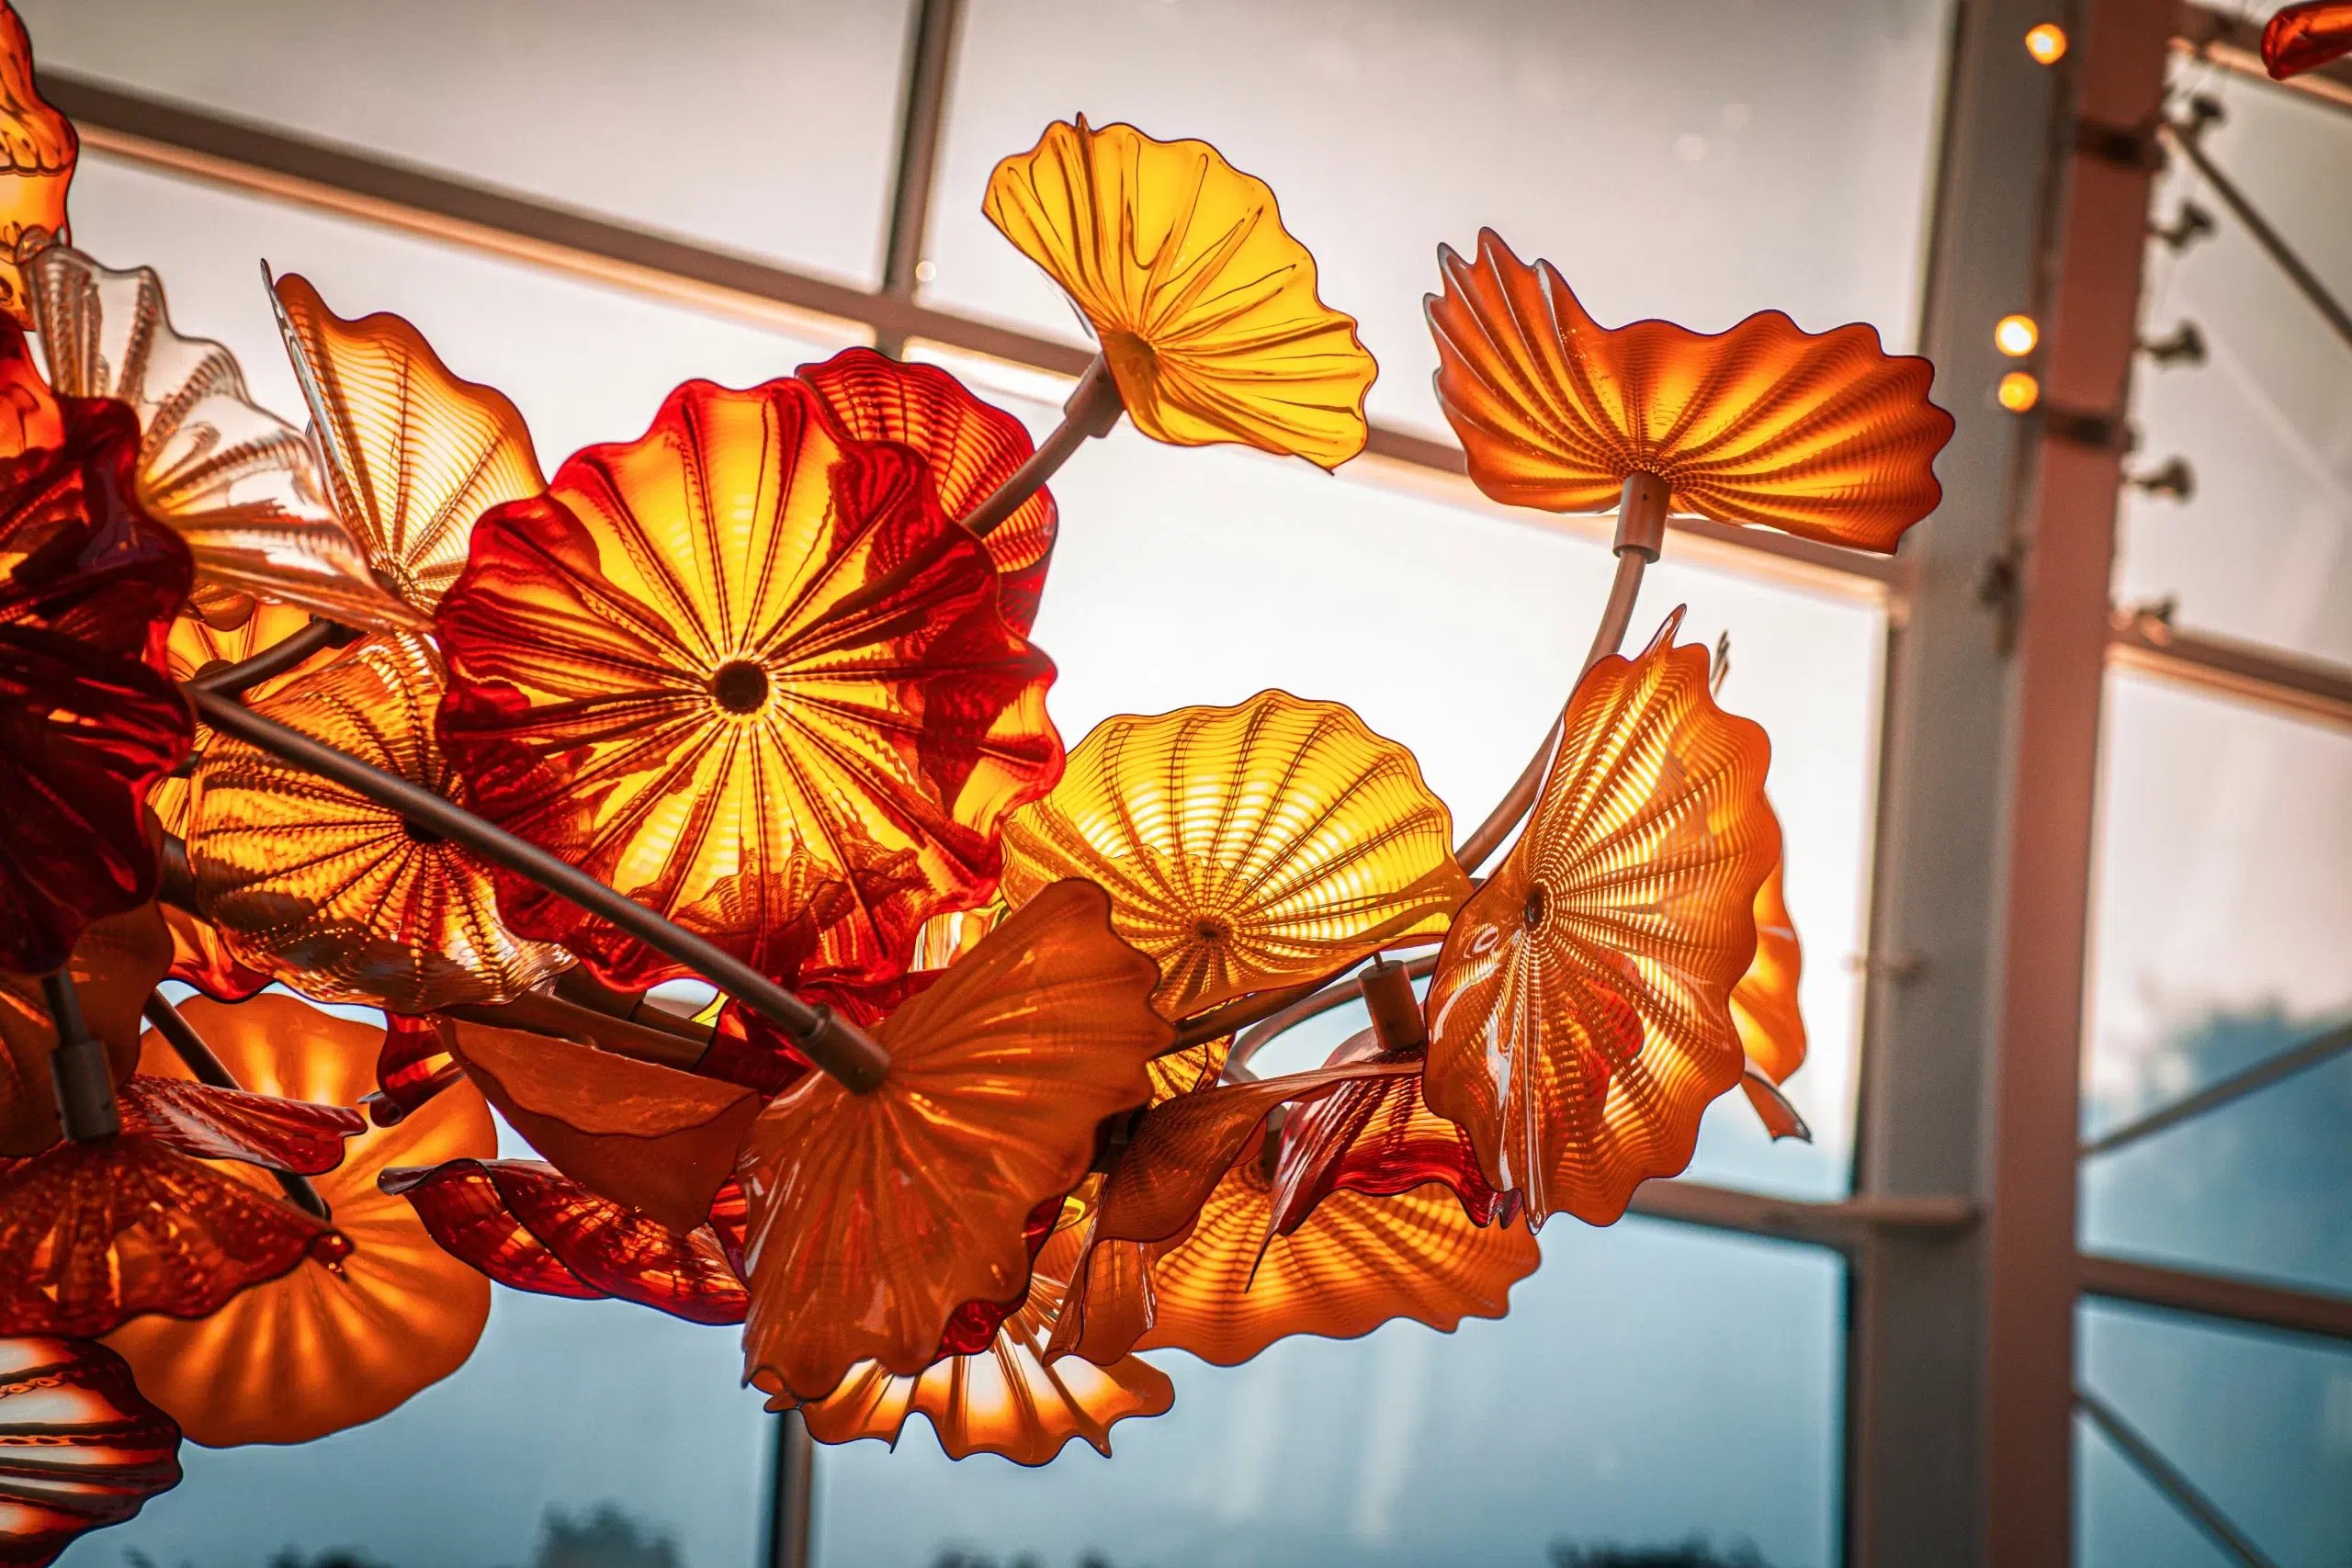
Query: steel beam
x,y
2220,1296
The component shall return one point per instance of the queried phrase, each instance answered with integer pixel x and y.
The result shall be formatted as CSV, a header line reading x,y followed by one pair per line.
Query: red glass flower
x,y
1378,1136
2306,36
1579,1018
971,448
747,671
80,1448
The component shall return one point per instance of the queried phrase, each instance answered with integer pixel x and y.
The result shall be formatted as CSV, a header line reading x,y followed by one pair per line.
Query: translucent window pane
x,y
2223,935
1698,160
2263,551
763,125
584,363
2260,1423
1587,1416
1206,575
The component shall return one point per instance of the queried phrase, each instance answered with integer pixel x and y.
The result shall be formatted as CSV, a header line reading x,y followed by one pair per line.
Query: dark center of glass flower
x,y
1208,928
1538,903
739,687
418,833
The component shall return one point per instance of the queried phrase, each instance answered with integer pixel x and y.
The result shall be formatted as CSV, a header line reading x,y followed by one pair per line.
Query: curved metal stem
x,y
1243,1011
1338,994
1641,528
276,659
1092,408
78,1069
831,1041
197,1057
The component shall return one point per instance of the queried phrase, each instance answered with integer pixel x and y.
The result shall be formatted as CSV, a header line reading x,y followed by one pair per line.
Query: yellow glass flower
x,y
1204,306
38,151
1244,846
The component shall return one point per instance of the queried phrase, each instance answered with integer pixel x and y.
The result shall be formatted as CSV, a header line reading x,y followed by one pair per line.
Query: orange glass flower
x,y
2306,36
413,454
93,1235
1764,1010
649,1137
1378,1136
1206,307
874,1217
1244,846
86,727
335,1341
1357,1262
970,449
1007,1399
1822,436
339,896
233,480
80,1448
40,149
196,647
117,962
1579,1017
531,1228
746,672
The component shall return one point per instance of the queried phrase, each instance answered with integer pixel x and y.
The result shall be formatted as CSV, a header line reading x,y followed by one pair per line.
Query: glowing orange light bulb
x,y
2015,335
2017,391
2046,42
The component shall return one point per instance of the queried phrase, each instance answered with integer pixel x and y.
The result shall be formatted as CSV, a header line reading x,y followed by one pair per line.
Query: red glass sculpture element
x,y
1009,1398
1226,1291
874,1217
206,1123
647,1137
970,449
1579,1018
1820,436
2306,36
117,962
92,1235
80,1447
529,1228
745,671
41,150
1378,1136
338,1339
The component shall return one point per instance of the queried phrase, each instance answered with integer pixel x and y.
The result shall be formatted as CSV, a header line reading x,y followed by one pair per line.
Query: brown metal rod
x,y
1092,408
78,1070
2178,1490
2274,244
1338,994
197,1057
831,1041
2295,1060
276,659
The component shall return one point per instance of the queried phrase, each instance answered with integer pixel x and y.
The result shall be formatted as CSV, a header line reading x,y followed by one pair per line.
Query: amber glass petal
x,y
200,956
1823,435
1579,1017
1764,1003
647,1137
1180,1149
1109,1302
1007,1399
225,1124
234,480
80,1447
1378,1136
84,735
332,894
971,1326
40,149
2306,36
874,1216
745,671
414,455
1244,846
321,1348
971,448
93,1233
196,647
1206,307
460,1206
414,1064
529,1228
1357,1263
117,962
1189,1071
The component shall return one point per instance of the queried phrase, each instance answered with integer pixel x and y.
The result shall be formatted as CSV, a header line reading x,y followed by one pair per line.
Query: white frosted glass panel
x,y
584,363
1191,576
1619,1402
1698,160
2263,551
765,126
